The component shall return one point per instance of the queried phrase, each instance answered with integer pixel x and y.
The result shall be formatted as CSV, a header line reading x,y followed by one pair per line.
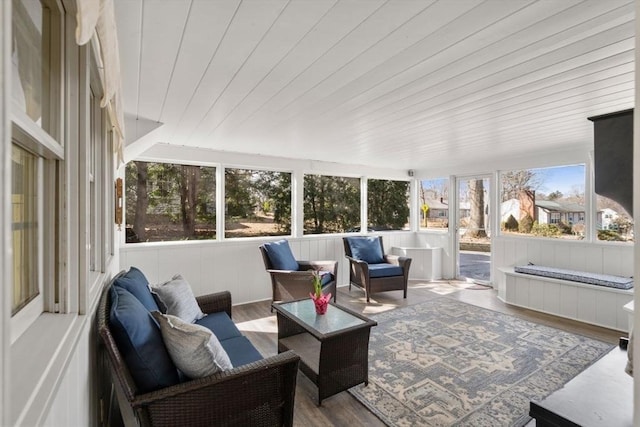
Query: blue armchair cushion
x,y
384,270
281,256
366,249
137,284
139,339
240,351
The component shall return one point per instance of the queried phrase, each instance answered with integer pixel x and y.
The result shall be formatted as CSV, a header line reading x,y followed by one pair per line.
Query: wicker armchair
x,y
372,270
258,394
292,284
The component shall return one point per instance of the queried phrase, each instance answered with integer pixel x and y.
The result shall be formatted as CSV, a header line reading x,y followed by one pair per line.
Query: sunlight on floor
x,y
374,308
265,324
445,287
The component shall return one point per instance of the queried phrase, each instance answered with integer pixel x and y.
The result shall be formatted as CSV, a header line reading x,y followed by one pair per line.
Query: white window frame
x,y
44,141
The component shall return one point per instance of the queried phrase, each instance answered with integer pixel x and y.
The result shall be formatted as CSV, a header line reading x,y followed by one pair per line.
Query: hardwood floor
x,y
257,322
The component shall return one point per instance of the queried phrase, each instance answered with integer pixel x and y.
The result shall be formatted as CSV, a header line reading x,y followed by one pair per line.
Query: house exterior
x,y
547,212
605,219
554,212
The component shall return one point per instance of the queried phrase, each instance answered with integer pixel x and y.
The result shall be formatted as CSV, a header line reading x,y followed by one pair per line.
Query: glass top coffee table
x,y
333,347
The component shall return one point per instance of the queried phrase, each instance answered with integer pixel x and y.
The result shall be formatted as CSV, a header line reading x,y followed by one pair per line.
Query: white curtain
x,y
98,16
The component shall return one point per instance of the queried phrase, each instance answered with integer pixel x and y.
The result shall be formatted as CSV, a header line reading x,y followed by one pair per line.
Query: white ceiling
x,y
406,84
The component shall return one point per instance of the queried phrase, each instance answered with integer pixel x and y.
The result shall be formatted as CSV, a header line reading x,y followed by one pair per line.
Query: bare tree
x,y
476,201
515,181
142,201
189,198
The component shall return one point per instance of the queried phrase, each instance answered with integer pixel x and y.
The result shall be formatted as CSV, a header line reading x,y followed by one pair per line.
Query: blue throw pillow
x,y
135,282
139,339
366,249
281,256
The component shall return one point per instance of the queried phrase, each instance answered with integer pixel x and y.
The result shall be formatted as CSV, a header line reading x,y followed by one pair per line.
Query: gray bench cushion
x,y
606,280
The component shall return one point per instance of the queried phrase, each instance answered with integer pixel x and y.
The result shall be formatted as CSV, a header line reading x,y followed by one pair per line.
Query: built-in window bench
x,y
594,304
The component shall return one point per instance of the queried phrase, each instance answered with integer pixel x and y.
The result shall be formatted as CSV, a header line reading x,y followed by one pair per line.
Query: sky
x,y
561,179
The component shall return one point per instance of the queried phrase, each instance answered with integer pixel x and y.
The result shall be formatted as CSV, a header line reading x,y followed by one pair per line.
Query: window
x,y
26,247
35,60
545,202
257,203
99,175
387,205
167,201
613,223
36,149
434,204
331,204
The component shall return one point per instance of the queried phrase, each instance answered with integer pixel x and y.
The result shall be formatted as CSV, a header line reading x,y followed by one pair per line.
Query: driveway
x,y
475,265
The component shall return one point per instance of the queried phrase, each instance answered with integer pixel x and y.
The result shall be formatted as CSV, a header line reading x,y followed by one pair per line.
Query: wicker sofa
x,y
257,391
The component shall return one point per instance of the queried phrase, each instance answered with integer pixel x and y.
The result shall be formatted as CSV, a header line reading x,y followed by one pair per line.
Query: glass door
x,y
473,229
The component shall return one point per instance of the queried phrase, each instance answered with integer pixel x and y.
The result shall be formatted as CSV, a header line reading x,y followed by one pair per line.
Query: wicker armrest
x,y
258,393
358,263
398,260
213,303
331,266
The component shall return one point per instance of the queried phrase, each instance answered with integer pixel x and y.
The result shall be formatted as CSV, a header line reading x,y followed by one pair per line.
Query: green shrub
x,y
545,230
525,224
610,235
511,224
564,228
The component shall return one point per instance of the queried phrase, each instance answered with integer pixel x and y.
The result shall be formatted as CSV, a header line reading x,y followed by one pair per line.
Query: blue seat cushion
x,y
220,324
280,255
367,249
606,280
137,284
240,351
139,339
325,278
384,270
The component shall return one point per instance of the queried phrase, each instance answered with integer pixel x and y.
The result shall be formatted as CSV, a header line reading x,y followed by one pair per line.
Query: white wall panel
x,y
522,291
593,257
607,311
587,305
536,296
569,301
596,257
236,265
184,260
551,298
438,240
75,401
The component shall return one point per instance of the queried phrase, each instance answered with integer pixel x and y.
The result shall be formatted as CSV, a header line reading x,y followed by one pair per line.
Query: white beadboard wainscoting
x,y
236,264
596,305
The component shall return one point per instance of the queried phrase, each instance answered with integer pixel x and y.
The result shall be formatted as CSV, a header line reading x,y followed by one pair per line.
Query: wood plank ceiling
x,y
398,84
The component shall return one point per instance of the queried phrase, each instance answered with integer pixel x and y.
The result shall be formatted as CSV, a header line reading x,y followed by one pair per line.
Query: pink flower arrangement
x,y
320,301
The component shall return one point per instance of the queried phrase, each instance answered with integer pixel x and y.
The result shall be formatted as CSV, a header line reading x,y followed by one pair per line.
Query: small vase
x,y
321,303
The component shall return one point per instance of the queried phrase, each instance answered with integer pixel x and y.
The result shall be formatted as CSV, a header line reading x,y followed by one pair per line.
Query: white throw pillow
x,y
178,298
194,349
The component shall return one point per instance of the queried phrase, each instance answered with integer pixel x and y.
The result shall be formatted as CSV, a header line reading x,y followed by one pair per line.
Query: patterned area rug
x,y
447,363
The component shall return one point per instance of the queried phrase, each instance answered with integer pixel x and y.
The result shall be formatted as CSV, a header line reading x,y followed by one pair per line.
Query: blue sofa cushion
x,y
240,351
220,324
606,280
384,270
281,256
139,339
137,284
367,249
